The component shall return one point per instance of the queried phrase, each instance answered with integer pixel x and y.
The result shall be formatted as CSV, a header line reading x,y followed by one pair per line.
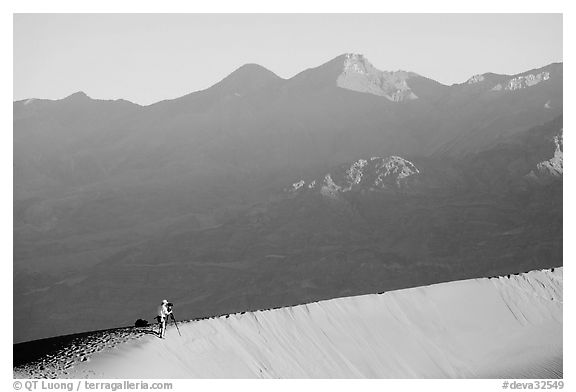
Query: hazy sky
x,y
149,57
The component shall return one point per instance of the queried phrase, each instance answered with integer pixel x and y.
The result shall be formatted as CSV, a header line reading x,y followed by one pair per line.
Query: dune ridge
x,y
508,326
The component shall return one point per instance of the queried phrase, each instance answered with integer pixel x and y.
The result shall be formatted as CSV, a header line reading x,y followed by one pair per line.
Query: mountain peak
x,y
358,74
253,67
248,77
77,96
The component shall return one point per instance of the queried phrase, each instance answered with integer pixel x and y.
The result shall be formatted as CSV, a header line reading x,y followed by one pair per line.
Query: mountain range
x,y
261,192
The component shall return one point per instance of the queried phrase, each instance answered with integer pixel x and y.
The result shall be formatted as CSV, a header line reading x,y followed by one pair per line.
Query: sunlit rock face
x,y
475,79
373,174
518,82
527,80
359,75
553,166
550,170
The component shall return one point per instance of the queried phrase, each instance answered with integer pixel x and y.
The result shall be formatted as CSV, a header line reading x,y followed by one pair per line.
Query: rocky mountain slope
x,y
375,173
359,75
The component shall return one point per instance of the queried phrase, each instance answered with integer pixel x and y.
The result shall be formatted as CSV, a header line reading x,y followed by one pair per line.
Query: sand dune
x,y
494,327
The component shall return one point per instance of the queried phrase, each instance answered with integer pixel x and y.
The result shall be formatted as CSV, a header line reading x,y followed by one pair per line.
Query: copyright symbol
x,y
17,385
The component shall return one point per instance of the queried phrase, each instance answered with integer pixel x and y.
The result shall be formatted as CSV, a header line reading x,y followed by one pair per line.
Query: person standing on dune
x,y
163,311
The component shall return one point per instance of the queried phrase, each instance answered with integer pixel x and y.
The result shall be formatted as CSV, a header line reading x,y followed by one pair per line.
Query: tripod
x,y
175,323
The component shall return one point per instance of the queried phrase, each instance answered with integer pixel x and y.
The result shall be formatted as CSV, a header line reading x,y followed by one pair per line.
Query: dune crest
x,y
507,326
